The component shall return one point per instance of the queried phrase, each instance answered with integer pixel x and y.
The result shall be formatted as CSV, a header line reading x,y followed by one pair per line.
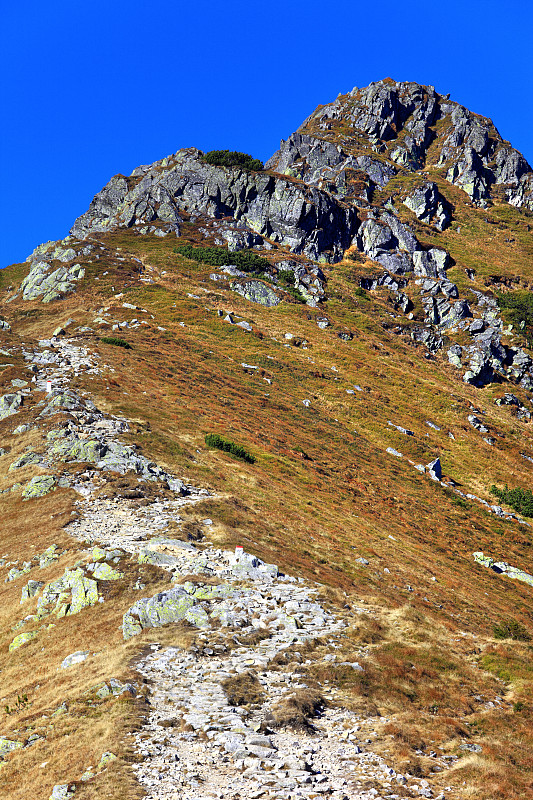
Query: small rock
x,y
74,658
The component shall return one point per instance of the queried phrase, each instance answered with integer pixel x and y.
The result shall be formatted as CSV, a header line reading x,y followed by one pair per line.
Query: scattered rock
x,y
74,658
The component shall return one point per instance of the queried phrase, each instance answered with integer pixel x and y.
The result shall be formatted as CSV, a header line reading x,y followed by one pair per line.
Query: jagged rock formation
x,y
399,119
322,194
300,217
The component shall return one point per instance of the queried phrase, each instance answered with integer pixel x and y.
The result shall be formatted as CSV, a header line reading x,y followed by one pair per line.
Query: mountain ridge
x,y
365,351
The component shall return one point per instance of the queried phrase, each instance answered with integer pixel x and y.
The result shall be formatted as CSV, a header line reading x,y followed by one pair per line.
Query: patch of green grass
x,y
517,308
114,340
511,629
296,294
519,499
233,158
221,443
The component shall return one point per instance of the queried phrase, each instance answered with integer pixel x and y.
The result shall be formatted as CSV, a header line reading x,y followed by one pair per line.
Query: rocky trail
x,y
198,741
233,716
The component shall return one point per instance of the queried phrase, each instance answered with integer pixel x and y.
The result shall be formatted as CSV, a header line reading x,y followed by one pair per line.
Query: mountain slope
x,y
373,360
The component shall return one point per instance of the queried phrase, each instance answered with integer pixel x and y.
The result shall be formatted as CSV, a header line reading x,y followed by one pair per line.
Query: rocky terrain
x,y
256,426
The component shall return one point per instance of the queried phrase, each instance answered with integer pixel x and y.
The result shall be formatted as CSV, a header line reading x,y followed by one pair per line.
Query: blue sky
x,y
92,89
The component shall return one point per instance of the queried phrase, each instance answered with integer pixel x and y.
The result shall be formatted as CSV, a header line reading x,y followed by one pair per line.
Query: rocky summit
x,y
265,472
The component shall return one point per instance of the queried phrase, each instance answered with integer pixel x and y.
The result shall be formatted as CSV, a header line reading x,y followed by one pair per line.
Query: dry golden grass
x,y
243,689
321,494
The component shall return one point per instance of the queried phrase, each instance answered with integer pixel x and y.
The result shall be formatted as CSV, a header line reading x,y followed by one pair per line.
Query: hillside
x,y
326,362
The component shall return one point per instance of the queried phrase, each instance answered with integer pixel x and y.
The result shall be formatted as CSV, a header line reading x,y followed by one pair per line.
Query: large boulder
x,y
173,605
257,292
10,404
427,203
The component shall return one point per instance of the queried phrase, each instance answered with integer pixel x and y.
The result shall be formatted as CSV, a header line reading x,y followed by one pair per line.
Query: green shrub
x,y
245,260
517,308
232,158
221,443
116,341
286,277
511,629
519,499
296,294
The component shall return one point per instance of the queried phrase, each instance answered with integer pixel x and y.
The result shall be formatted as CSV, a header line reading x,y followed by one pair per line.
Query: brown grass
x,y
243,689
295,710
322,493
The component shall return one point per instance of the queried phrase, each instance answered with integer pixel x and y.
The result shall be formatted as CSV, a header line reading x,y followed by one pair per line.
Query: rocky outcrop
x,y
257,292
503,568
298,216
430,206
48,283
399,121
326,165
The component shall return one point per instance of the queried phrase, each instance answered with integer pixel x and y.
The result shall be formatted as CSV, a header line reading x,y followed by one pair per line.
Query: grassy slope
x,y
322,493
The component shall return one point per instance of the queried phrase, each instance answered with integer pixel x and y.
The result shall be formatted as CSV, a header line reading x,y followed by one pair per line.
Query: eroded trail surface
x,y
200,740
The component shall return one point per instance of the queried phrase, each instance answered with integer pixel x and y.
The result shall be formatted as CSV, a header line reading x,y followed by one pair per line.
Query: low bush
x,y
286,279
295,294
519,499
245,260
233,158
511,629
220,443
114,340
517,308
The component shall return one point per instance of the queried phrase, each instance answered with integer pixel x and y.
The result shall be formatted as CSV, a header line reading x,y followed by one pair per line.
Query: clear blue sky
x,y
95,88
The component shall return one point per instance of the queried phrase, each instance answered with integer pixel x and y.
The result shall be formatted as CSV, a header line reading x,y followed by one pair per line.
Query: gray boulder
x,y
173,605
257,292
10,404
427,203
434,469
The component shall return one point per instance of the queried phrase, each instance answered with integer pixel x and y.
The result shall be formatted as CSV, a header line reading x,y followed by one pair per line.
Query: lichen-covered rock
x,y
30,590
173,605
427,203
148,555
18,572
63,791
69,447
84,591
48,556
305,219
114,687
50,285
10,404
64,400
257,292
39,486
21,639
440,312
105,760
105,572
501,567
26,460
431,263
8,745
75,658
